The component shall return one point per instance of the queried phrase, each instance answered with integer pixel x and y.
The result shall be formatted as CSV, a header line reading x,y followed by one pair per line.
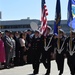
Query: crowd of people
x,y
20,48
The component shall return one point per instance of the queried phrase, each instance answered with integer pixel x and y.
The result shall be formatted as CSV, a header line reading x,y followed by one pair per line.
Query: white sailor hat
x,y
1,32
51,31
61,30
73,31
37,31
49,27
25,31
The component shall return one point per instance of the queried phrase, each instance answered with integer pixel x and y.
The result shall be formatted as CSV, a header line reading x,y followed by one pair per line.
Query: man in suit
x,y
28,41
17,49
8,48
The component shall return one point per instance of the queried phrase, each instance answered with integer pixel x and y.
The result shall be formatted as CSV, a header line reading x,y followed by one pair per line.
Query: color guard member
x,y
71,52
60,50
47,50
36,51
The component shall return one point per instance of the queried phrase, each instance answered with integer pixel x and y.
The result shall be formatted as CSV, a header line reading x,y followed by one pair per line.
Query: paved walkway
x,y
27,69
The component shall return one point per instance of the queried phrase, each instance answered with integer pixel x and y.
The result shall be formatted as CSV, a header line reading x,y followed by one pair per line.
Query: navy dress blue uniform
x,y
60,53
71,55
36,53
46,54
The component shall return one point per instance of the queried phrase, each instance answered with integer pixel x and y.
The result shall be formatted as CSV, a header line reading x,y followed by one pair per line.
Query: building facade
x,y
24,24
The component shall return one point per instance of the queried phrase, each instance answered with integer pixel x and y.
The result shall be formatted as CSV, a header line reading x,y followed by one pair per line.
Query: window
x,y
15,26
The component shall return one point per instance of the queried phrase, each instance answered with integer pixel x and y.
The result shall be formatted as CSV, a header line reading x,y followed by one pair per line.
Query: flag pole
x,y
70,24
45,41
59,37
58,18
70,16
71,36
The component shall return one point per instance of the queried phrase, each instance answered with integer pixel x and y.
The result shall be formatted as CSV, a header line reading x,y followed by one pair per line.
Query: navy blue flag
x,y
57,17
71,13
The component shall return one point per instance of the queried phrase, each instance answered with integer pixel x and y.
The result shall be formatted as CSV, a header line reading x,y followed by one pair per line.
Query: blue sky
x,y
21,9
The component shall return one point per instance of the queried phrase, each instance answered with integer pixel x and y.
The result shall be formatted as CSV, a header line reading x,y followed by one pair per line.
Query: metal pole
x,y
71,36
58,37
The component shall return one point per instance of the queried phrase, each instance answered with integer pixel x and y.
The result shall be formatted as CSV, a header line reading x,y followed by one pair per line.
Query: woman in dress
x,y
22,49
2,51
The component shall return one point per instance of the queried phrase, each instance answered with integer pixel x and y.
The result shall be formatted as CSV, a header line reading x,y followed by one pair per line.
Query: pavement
x,y
27,69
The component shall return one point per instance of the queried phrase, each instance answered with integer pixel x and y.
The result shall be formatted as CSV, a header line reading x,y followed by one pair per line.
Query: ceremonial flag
x,y
71,13
57,17
43,18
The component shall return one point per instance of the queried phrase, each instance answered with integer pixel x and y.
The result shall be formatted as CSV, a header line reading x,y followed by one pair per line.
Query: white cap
x,y
73,31
51,31
49,27
1,32
37,31
61,30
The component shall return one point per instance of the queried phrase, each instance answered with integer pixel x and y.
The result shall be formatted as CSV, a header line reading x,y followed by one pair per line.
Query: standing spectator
x,y
25,52
22,48
8,48
13,50
17,52
2,50
28,36
28,41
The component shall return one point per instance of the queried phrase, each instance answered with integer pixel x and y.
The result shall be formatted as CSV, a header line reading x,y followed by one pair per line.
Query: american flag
x,y
44,18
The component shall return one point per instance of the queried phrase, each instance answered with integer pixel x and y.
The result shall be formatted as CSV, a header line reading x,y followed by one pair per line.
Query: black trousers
x,y
71,64
46,60
36,61
29,56
17,58
60,62
22,62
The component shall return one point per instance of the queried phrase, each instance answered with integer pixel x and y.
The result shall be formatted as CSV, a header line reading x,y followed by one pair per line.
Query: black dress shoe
x,y
35,73
6,67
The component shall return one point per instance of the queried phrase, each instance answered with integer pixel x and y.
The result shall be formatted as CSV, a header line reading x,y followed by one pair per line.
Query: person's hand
x,y
29,45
